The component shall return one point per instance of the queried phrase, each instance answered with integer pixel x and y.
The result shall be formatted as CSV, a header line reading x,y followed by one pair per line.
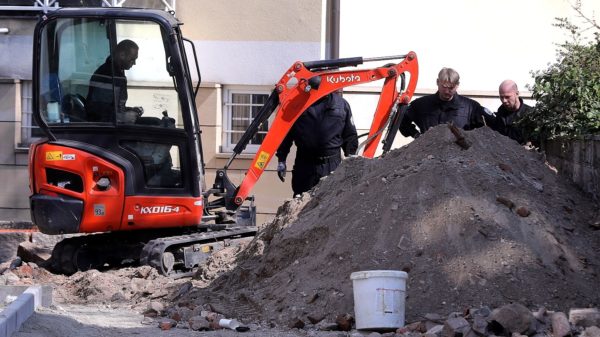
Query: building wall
x,y
485,41
578,160
252,42
15,48
14,204
15,65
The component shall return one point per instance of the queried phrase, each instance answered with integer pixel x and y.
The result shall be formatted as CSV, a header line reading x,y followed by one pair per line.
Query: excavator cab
x,y
123,148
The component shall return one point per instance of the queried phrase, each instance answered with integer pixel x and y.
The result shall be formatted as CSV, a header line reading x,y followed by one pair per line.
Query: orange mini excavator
x,y
132,178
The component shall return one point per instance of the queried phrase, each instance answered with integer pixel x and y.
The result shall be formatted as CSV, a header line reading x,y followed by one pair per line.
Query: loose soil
x,y
447,216
489,225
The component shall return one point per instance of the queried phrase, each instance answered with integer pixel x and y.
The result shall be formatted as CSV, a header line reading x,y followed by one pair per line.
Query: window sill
x,y
239,156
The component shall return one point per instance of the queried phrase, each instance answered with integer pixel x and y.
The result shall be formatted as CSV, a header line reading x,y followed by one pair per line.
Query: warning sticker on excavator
x,y
53,155
261,161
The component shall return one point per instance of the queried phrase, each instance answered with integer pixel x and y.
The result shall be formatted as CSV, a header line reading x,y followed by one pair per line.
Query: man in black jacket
x,y
444,106
101,97
319,134
511,112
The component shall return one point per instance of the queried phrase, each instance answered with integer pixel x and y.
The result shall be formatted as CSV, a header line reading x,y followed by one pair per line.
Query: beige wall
x,y
248,44
257,20
253,42
15,48
10,123
14,202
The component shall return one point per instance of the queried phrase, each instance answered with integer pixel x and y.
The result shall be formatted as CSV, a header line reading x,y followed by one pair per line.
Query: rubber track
x,y
152,253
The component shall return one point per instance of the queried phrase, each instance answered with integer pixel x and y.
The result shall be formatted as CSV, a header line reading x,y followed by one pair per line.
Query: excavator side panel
x,y
66,195
147,212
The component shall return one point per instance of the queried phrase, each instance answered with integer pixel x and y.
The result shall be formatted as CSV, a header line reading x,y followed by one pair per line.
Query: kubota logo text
x,y
159,209
342,79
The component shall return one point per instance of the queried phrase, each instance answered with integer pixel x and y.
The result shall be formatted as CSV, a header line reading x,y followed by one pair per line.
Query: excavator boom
x,y
305,83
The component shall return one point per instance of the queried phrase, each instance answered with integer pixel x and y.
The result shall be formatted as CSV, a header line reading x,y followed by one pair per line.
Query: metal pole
x,y
383,58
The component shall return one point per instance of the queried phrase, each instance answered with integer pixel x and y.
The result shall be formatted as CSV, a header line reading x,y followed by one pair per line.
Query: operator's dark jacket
x,y
505,122
429,111
100,98
319,134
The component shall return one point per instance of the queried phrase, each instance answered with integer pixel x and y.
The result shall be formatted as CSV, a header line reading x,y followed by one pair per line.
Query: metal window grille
x,y
241,108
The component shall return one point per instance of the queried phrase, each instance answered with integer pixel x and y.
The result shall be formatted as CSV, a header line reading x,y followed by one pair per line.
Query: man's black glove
x,y
281,168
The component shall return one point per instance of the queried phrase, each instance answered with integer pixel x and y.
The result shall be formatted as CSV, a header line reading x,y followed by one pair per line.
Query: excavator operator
x,y
319,133
100,98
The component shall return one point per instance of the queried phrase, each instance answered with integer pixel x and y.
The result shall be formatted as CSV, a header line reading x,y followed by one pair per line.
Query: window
x,y
29,130
162,167
96,70
241,107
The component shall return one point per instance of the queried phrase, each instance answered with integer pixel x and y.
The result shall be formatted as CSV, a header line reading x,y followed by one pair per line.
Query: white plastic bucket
x,y
379,299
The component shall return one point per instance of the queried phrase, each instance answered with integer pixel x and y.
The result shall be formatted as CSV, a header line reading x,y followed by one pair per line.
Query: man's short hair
x,y
448,75
127,46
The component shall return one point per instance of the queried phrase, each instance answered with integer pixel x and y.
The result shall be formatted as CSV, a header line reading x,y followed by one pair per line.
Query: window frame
x,y
227,131
27,122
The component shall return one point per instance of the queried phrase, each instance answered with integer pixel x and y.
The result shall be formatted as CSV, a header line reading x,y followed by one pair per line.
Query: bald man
x,y
510,112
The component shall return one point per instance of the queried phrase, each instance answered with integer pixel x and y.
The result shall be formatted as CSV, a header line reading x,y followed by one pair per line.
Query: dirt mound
x,y
484,226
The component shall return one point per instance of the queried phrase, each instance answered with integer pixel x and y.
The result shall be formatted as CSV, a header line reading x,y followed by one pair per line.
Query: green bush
x,y
567,94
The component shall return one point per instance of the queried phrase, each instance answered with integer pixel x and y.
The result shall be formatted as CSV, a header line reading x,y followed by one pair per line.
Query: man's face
x,y
446,89
127,59
509,98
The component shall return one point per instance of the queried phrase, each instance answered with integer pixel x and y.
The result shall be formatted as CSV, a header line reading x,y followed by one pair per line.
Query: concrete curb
x,y
18,311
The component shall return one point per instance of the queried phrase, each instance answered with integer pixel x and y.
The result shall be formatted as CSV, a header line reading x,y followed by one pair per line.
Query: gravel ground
x,y
103,321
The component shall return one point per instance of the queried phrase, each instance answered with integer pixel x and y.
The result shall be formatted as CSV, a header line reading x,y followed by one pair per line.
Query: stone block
x,y
560,325
31,252
455,327
591,331
585,317
9,242
511,318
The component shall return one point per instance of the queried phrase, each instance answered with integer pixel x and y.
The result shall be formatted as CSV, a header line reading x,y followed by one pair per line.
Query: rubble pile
x,y
489,225
509,320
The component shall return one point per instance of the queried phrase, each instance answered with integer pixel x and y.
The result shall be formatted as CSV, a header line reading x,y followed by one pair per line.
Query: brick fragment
x,y
296,323
523,211
198,323
315,318
345,322
506,202
505,167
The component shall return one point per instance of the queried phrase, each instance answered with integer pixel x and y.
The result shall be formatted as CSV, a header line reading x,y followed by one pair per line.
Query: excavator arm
x,y
302,85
